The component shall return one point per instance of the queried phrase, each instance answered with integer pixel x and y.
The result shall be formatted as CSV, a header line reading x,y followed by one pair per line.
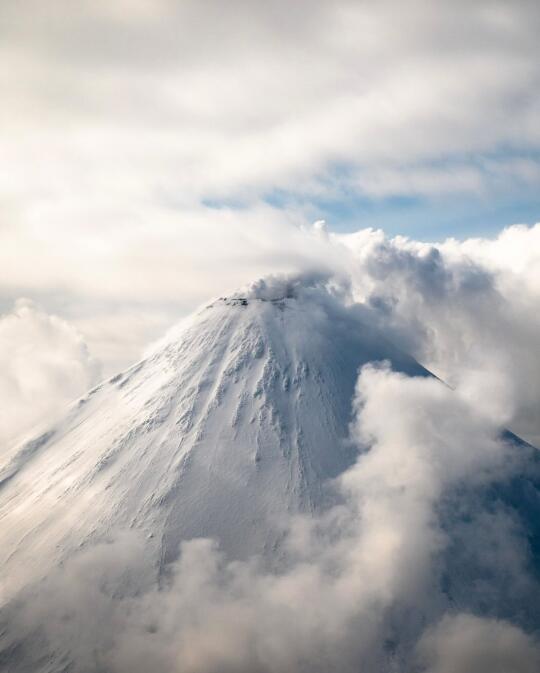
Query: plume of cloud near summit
x,y
466,310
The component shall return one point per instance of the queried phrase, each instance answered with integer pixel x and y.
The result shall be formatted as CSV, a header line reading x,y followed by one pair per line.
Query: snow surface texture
x,y
222,432
233,429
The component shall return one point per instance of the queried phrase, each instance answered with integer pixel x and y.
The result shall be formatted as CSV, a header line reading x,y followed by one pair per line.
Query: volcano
x,y
238,419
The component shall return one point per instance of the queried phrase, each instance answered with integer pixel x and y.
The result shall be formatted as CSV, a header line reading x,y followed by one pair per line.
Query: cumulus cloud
x,y
464,643
465,309
45,365
372,582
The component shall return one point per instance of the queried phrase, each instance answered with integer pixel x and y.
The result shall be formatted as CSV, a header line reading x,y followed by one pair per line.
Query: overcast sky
x,y
421,117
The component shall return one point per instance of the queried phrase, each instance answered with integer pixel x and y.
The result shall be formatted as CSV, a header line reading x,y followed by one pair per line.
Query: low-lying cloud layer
x,y
424,566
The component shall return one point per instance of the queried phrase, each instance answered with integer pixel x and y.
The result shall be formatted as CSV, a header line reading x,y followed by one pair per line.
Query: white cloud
x,y
466,310
480,178
124,285
167,257
119,124
45,364
464,643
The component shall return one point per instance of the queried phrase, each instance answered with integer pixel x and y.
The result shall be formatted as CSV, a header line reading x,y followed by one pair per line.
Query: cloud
x,y
142,144
373,581
458,177
465,309
464,643
170,258
45,364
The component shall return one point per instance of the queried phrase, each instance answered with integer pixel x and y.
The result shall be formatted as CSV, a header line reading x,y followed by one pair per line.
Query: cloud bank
x,y
158,153
115,119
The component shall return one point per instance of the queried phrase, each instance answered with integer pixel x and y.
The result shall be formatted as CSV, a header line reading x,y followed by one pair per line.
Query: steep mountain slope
x,y
235,421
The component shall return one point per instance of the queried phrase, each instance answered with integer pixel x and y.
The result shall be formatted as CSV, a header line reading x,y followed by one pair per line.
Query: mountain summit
x,y
236,420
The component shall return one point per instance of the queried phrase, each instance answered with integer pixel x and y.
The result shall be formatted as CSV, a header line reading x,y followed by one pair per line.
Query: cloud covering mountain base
x,y
427,561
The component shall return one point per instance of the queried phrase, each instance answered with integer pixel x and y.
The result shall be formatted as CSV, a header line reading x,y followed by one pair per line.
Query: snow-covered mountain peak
x,y
237,420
